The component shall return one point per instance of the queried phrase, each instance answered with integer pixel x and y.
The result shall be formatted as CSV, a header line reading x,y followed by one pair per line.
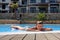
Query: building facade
x,y
4,6
32,6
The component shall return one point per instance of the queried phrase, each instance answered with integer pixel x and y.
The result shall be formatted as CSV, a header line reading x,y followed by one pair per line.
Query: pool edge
x,y
12,33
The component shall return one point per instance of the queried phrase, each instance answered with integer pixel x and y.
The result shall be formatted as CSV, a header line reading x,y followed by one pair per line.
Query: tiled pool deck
x,y
40,36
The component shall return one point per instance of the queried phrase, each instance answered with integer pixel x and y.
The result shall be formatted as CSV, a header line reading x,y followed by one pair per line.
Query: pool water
x,y
7,27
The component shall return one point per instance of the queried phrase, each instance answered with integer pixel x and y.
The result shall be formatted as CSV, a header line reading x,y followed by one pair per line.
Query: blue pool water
x,y
7,27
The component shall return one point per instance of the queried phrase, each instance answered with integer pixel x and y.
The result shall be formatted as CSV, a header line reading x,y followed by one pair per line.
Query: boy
x,y
39,27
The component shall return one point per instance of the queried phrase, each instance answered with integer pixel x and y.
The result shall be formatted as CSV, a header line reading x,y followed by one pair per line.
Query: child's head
x,y
39,22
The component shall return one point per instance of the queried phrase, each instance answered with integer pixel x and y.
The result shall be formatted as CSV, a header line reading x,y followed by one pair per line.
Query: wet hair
x,y
40,23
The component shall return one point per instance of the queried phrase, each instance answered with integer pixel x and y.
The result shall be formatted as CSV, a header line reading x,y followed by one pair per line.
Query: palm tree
x,y
14,6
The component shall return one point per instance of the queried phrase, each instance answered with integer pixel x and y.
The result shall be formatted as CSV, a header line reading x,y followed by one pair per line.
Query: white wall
x,y
20,2
47,1
7,8
38,1
0,0
6,1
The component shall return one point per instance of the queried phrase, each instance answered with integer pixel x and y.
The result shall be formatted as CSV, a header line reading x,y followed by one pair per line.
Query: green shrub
x,y
41,16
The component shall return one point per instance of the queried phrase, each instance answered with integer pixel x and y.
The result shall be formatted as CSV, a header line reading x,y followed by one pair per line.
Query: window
x,y
52,1
24,1
3,6
3,0
32,9
23,10
42,10
32,1
53,9
43,1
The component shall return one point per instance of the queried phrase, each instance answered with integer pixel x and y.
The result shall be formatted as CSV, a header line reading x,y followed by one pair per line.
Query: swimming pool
x,y
7,27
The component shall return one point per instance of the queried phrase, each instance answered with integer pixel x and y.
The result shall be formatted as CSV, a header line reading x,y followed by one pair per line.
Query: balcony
x,y
5,1
14,0
39,3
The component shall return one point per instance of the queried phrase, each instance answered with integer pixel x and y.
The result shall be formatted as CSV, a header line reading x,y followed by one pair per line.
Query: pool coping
x,y
11,33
